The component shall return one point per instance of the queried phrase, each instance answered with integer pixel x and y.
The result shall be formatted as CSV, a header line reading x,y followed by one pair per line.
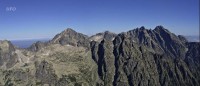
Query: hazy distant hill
x,y
139,57
27,42
193,38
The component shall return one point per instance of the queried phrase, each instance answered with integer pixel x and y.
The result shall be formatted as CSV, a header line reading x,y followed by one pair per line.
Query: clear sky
x,y
32,19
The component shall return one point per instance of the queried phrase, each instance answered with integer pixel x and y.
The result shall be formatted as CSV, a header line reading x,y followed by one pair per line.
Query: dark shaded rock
x,y
170,42
193,58
134,64
102,54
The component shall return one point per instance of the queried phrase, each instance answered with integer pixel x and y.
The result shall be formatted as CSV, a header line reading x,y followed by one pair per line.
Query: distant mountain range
x,y
98,37
139,57
193,38
26,42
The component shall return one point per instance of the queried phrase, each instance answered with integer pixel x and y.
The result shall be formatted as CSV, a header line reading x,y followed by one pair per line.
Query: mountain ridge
x,y
137,57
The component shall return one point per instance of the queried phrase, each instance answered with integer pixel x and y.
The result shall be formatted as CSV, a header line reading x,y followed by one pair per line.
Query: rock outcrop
x,y
8,57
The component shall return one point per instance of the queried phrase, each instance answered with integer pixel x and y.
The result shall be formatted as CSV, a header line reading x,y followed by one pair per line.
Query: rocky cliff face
x,y
139,57
8,57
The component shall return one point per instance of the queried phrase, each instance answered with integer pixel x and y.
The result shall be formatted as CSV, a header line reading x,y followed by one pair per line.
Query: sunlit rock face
x,y
71,37
8,57
140,56
104,35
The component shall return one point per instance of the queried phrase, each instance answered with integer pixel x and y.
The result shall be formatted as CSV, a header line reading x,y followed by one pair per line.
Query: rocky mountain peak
x,y
107,35
71,37
160,28
6,45
108,32
68,30
159,39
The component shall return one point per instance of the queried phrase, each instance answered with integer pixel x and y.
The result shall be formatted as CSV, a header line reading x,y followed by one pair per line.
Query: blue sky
x,y
34,19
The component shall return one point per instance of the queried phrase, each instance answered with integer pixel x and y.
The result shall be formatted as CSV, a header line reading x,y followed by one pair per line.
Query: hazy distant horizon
x,y
49,38
26,39
33,19
25,43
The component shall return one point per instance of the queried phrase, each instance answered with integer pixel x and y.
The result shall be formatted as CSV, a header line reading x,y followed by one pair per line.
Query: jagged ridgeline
x,y
139,57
